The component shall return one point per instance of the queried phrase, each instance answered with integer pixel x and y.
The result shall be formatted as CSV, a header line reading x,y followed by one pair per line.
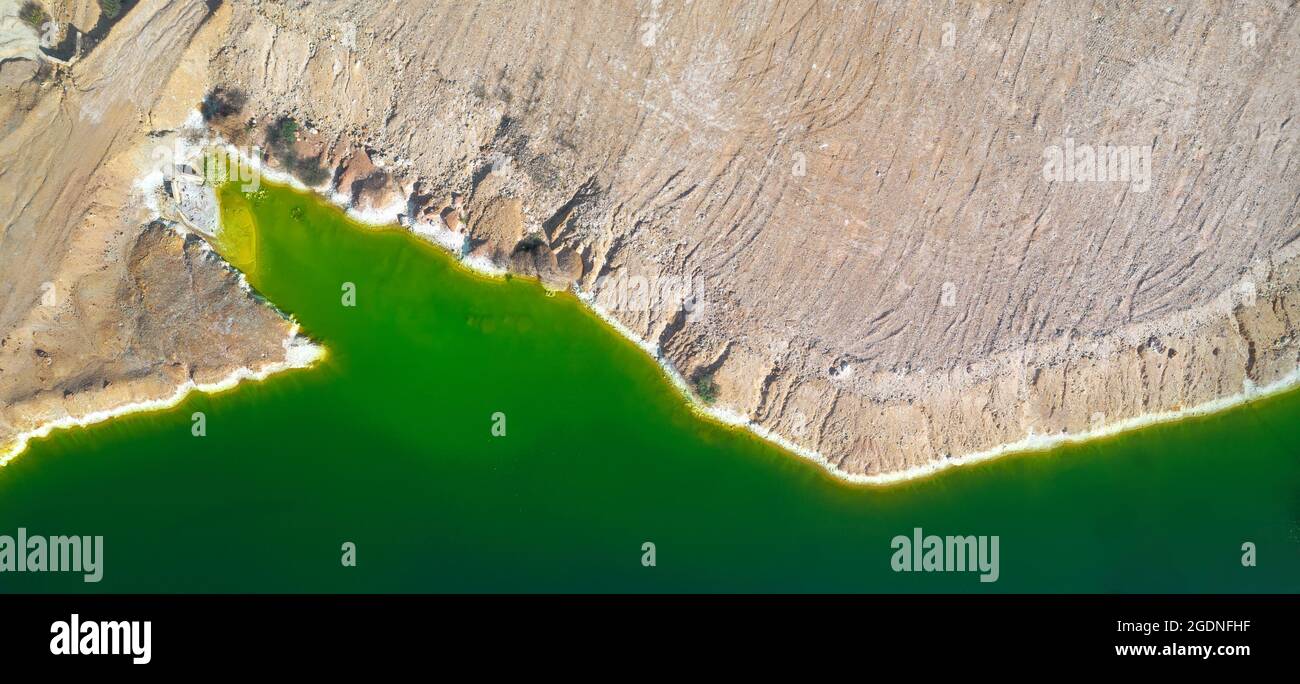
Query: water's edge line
x,y
1039,443
1030,444
430,233
299,353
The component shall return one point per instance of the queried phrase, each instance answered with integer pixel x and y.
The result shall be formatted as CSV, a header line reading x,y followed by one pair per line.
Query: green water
x,y
388,444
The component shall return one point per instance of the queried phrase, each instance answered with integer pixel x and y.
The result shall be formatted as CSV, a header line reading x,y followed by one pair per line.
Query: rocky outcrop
x,y
99,307
366,186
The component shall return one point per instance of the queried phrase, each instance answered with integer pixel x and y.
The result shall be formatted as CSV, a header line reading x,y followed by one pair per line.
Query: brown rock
x,y
366,186
496,229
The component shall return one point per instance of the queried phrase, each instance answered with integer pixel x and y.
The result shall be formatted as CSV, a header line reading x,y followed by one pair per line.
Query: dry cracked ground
x,y
890,232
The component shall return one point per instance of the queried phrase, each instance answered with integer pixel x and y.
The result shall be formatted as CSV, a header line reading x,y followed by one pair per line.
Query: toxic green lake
x,y
388,444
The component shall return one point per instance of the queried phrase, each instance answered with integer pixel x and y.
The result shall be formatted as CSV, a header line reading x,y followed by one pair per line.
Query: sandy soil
x,y
99,306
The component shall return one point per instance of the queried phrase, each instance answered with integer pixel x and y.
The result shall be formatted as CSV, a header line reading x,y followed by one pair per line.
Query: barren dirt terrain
x,y
99,305
833,218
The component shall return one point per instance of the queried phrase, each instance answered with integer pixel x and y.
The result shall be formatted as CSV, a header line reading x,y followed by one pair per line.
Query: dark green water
x,y
388,444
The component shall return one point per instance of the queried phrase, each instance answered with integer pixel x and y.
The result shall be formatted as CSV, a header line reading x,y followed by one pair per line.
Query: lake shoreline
x,y
392,443
446,242
433,236
300,352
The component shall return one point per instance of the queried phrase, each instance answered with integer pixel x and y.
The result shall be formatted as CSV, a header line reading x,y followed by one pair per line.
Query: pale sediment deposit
x,y
892,234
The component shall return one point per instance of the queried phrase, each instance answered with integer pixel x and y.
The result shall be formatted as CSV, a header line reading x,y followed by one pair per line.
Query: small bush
x,y
283,133
222,103
280,138
706,388
308,170
33,15
529,243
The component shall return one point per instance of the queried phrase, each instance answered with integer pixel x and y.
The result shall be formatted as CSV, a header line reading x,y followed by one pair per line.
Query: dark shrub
x,y
222,103
33,15
706,388
110,8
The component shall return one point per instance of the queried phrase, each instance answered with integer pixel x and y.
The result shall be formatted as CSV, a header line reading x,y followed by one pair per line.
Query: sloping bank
x,y
891,281
1253,314
104,309
475,433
